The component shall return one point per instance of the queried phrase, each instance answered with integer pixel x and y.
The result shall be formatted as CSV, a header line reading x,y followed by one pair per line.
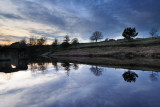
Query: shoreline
x,y
118,55
146,64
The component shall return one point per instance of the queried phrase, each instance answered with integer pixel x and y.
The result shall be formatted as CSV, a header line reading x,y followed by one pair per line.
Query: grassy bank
x,y
144,47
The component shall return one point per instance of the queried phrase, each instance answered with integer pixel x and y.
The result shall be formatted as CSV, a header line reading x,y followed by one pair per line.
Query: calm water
x,y
78,85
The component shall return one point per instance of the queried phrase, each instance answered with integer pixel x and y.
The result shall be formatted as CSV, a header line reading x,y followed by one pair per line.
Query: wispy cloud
x,y
56,18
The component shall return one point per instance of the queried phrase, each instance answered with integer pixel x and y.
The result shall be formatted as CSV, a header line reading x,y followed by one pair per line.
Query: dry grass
x,y
141,47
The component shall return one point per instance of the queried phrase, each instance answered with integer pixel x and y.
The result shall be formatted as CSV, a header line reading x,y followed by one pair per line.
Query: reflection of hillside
x,y
134,64
13,66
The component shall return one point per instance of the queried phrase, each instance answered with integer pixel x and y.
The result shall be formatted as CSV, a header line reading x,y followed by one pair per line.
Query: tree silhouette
x,y
96,36
23,42
130,76
32,40
20,43
41,41
55,42
65,43
129,33
153,32
96,70
75,41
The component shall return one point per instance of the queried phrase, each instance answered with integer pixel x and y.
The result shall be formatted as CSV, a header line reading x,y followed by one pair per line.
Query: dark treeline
x,y
128,34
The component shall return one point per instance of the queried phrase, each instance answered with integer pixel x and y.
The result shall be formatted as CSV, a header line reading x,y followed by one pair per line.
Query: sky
x,y
21,19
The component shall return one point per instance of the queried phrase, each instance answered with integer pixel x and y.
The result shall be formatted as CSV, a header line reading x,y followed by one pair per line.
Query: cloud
x,y
10,16
80,18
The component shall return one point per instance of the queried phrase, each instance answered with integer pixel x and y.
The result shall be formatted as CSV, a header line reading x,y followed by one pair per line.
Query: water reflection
x,y
38,67
66,66
80,88
55,64
13,66
154,76
97,71
130,76
75,66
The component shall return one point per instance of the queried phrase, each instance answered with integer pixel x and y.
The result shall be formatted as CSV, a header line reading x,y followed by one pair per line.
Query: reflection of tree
x,y
130,76
96,70
153,76
75,66
54,63
38,67
66,66
42,67
33,67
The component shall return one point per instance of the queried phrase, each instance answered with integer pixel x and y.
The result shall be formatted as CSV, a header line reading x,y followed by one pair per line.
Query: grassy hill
x,y
142,47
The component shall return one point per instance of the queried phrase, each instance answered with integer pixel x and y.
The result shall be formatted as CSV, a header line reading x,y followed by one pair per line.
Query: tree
x,y
106,40
23,42
96,36
20,43
41,41
66,39
129,33
55,42
66,43
153,32
32,40
75,41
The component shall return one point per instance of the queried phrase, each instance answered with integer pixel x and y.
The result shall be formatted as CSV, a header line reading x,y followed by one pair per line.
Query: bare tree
x,y
96,36
153,32
32,40
41,41
55,42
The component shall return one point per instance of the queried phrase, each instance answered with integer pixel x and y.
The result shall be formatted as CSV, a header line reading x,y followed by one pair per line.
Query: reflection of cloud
x,y
81,88
5,76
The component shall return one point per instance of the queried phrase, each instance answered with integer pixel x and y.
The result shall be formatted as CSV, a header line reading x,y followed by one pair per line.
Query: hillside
x,y
144,47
